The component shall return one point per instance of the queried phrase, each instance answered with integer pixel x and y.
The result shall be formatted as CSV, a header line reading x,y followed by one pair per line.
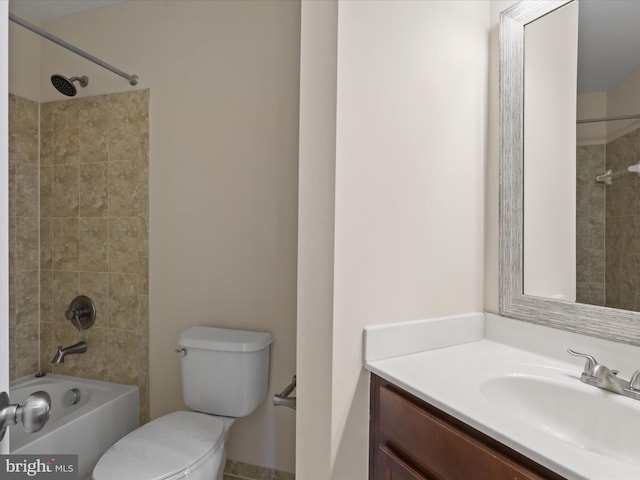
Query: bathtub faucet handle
x,y
81,312
76,313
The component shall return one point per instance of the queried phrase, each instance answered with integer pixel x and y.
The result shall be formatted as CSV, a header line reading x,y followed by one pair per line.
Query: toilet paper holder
x,y
283,397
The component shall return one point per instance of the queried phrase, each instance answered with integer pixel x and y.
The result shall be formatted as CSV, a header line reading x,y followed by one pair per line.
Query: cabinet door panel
x,y
436,446
391,467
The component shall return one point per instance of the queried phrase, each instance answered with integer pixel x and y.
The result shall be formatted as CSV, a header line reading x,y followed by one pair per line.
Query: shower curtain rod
x,y
609,119
133,79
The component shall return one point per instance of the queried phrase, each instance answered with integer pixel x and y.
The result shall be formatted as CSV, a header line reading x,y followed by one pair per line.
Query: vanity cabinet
x,y
412,440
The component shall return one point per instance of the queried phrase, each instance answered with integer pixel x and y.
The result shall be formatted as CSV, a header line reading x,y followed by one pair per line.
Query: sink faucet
x,y
606,379
79,347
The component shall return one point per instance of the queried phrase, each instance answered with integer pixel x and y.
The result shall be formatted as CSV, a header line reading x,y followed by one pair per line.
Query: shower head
x,y
65,85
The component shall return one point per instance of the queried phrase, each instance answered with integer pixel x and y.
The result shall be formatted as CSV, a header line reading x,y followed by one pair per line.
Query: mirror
x,y
608,107
537,127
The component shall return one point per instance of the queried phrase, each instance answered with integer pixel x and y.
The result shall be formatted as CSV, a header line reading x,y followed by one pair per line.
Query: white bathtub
x,y
104,413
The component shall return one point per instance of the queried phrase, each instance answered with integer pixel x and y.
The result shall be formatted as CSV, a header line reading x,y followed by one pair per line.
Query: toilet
x,y
225,375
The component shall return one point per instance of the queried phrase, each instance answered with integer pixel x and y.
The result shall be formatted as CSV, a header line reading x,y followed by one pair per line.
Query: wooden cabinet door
x,y
436,446
411,439
391,467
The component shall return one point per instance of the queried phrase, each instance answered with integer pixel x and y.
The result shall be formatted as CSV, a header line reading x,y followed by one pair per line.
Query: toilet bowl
x,y
224,375
175,446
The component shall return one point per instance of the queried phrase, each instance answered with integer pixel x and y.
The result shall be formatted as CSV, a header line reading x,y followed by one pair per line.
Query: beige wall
x,y
316,220
223,80
591,105
410,139
622,99
24,59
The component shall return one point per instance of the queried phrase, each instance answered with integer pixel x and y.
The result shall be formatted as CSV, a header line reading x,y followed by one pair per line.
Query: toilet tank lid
x,y
224,339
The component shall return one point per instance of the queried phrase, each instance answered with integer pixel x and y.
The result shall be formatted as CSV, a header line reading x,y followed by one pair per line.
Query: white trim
x,y
4,205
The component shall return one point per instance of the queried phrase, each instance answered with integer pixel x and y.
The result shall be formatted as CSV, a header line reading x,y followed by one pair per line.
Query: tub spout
x,y
79,347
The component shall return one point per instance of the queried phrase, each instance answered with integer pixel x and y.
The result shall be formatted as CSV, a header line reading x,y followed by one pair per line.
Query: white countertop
x,y
449,376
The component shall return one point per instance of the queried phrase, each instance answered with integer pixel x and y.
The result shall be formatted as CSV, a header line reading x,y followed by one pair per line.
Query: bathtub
x,y
87,417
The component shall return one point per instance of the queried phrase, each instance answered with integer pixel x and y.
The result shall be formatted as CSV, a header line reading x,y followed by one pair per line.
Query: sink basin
x,y
585,416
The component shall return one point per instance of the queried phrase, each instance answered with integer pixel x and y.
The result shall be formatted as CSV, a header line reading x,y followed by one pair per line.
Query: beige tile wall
x,y
608,225
23,236
93,235
590,225
622,273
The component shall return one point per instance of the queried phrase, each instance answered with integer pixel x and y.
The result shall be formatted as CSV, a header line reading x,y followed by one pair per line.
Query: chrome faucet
x,y
79,347
606,379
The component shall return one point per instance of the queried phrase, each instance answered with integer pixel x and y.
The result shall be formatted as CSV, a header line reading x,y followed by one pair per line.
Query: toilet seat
x,y
168,447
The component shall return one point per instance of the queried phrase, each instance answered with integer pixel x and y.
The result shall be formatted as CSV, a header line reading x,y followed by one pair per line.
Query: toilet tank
x,y
224,372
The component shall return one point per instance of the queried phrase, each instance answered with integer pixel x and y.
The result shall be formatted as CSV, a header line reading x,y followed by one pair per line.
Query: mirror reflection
x,y
549,169
581,220
608,155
